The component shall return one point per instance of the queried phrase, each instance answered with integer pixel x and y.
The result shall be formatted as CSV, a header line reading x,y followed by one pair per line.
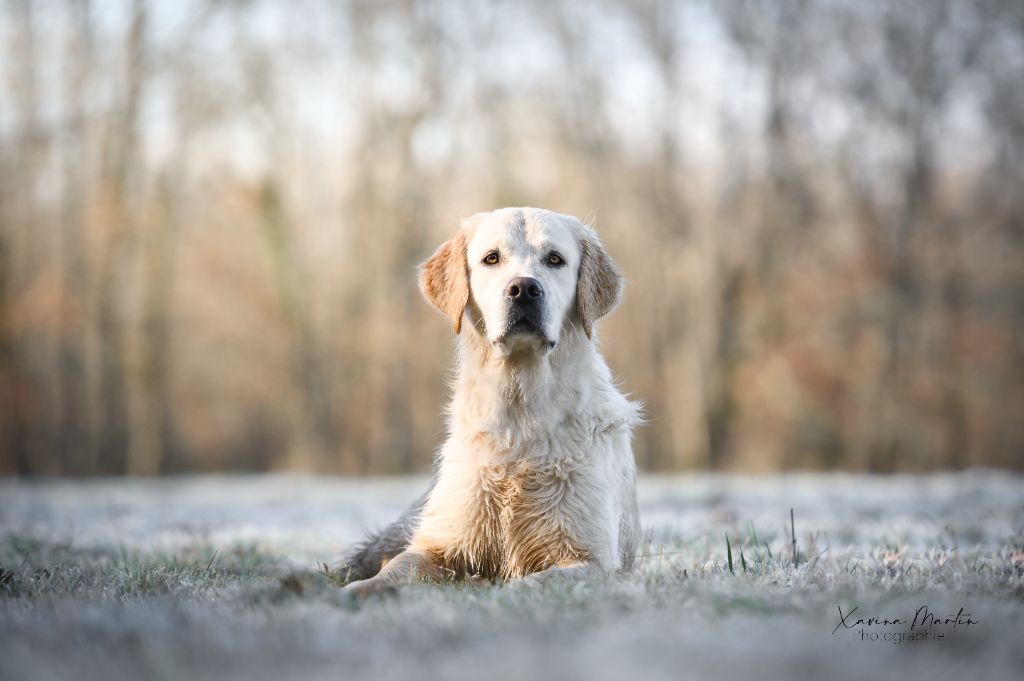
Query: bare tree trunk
x,y
73,435
22,400
122,137
152,430
317,435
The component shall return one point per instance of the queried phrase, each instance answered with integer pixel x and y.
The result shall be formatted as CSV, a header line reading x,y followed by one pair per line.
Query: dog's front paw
x,y
369,587
572,573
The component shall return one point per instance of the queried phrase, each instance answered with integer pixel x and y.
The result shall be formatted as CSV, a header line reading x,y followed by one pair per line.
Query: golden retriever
x,y
536,477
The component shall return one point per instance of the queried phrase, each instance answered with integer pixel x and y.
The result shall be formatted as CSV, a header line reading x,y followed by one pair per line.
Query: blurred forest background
x,y
211,213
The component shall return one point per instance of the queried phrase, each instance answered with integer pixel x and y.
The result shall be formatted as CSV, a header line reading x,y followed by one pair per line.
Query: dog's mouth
x,y
523,325
527,328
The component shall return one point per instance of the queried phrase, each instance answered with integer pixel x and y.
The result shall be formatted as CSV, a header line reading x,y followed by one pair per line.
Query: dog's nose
x,y
522,289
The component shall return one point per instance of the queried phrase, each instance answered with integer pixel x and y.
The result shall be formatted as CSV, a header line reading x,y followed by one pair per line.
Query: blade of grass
x,y
792,534
728,551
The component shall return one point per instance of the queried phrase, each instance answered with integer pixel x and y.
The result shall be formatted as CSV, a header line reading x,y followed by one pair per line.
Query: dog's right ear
x,y
444,279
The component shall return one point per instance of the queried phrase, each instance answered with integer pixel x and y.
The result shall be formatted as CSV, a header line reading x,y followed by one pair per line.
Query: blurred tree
x,y
211,213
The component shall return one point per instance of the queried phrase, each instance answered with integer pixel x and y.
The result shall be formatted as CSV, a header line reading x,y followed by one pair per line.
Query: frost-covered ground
x,y
218,577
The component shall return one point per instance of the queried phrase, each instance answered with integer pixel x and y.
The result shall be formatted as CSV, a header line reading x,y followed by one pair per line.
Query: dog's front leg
x,y
405,568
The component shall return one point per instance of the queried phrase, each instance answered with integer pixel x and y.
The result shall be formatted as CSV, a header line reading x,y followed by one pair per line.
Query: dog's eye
x,y
491,258
555,259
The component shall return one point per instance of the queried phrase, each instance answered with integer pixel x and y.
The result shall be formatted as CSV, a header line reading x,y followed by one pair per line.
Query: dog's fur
x,y
537,475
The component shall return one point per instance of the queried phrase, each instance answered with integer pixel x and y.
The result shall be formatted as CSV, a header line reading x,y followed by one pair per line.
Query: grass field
x,y
214,577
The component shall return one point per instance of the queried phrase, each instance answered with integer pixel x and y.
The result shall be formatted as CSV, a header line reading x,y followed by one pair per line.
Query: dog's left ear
x,y
599,283
444,280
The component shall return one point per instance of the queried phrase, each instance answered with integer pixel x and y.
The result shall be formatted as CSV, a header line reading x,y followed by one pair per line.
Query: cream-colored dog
x,y
537,476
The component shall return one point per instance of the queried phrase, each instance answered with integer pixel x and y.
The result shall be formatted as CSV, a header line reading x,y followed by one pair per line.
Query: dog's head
x,y
521,276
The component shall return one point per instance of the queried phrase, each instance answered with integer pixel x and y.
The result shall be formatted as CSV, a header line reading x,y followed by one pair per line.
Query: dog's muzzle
x,y
525,299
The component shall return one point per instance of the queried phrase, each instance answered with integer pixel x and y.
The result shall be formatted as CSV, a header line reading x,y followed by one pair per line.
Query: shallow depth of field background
x,y
211,213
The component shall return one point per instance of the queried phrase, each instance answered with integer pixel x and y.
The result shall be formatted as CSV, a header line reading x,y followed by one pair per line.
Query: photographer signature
x,y
923,619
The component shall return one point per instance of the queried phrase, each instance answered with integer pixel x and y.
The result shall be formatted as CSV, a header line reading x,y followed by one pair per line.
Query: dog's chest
x,y
527,517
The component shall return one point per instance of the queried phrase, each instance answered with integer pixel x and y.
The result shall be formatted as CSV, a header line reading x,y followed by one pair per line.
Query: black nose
x,y
522,289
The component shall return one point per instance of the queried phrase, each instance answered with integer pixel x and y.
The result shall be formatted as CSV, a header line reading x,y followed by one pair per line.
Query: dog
x,y
537,477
